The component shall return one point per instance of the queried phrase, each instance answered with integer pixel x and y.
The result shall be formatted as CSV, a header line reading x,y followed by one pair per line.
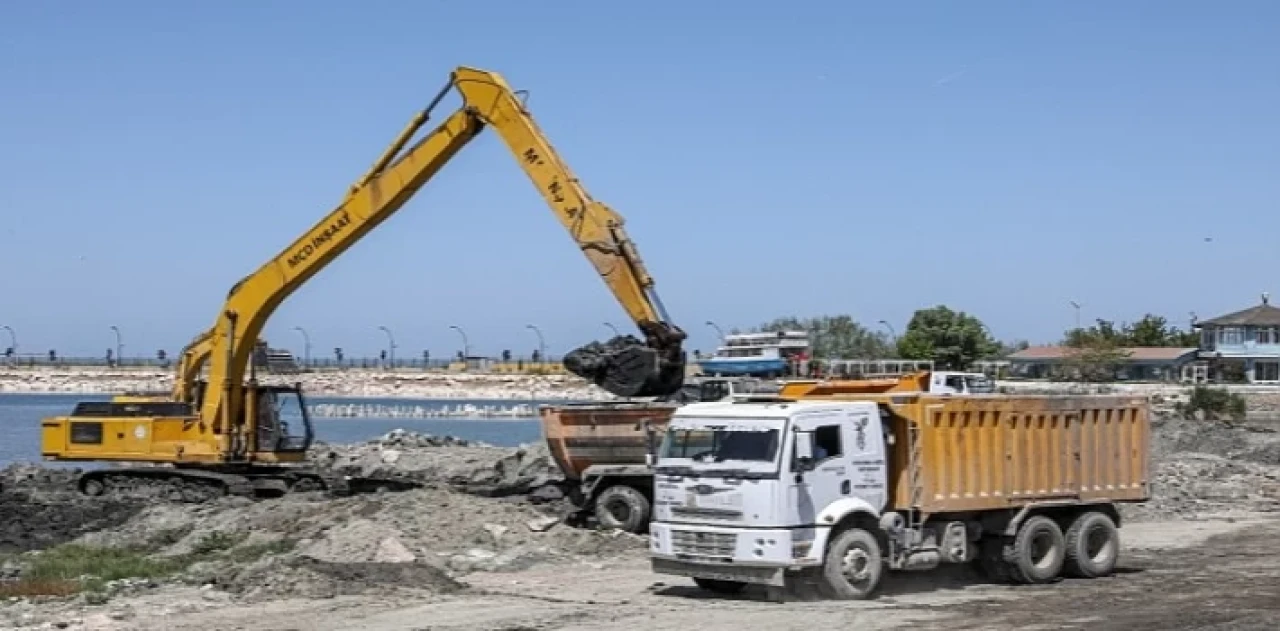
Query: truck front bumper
x,y
758,575
749,555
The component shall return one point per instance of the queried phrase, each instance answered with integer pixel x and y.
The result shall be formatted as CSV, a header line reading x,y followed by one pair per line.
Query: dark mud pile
x,y
40,508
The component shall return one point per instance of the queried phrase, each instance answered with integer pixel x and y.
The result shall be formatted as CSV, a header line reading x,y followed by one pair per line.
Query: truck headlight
x,y
801,542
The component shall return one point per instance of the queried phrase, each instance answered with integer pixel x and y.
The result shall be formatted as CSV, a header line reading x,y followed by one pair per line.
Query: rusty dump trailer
x,y
1025,487
601,449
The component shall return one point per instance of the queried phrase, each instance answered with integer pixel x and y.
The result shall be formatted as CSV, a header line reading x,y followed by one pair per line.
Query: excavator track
x,y
194,486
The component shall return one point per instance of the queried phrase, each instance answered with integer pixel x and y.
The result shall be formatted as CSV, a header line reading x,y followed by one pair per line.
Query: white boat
x,y
757,354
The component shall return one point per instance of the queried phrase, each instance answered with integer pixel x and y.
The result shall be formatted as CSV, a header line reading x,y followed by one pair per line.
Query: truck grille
x,y
705,544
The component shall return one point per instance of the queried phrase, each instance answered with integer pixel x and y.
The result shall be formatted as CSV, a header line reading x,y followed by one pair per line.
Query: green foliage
x,y
1151,330
1097,359
952,339
1214,404
836,337
216,541
72,568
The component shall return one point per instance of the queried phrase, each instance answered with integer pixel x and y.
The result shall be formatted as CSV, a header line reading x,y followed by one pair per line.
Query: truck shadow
x,y
947,578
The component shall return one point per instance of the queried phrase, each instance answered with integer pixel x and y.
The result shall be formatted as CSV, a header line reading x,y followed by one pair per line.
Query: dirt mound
x,y
444,460
33,522
1202,467
33,477
1173,436
314,578
305,544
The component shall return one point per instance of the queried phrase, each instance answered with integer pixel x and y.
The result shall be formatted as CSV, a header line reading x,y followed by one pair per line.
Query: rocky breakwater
x,y
346,383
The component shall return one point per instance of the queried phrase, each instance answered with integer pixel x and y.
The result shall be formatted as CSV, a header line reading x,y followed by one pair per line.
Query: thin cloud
x,y
955,76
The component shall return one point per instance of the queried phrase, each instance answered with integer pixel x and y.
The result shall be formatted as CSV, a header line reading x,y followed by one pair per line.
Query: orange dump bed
x,y
581,435
1000,451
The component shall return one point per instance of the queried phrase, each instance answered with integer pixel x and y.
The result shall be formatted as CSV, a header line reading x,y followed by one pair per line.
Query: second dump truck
x,y
831,493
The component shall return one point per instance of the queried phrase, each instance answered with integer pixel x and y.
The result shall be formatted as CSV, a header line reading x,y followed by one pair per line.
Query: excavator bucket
x,y
628,367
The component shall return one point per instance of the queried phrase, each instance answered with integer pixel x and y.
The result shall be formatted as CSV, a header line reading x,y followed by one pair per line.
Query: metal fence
x,y
312,365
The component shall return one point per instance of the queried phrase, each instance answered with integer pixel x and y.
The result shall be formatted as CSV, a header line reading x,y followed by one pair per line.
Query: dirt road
x,y
1219,574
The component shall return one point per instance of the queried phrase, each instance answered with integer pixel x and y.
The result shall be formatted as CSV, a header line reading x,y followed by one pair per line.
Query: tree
x,y
835,337
951,339
1151,330
1095,357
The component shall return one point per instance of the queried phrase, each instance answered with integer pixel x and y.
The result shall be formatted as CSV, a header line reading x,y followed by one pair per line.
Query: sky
x,y
770,159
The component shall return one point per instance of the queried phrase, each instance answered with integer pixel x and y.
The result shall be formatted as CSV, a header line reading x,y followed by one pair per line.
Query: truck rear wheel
x,y
1036,554
853,566
621,507
1093,546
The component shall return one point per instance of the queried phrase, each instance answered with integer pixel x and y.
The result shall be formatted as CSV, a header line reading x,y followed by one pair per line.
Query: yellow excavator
x,y
229,433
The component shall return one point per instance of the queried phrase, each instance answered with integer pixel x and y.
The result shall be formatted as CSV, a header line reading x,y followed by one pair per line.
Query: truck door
x,y
868,479
830,478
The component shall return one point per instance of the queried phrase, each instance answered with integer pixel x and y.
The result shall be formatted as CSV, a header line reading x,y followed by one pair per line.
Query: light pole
x,y
119,346
306,345
715,326
466,346
13,340
613,328
542,345
1076,305
892,333
391,347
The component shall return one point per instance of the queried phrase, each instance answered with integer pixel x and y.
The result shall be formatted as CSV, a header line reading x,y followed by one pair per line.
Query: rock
x,y
390,456
391,550
542,524
496,531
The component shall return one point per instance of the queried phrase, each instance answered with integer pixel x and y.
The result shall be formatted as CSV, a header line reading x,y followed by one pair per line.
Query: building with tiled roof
x,y
1245,342
1139,363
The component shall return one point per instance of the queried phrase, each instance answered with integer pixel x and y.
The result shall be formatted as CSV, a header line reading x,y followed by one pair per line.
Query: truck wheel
x,y
1037,552
621,507
1093,546
720,586
853,567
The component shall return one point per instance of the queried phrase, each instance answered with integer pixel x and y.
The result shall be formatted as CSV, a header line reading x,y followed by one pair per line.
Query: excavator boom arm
x,y
626,369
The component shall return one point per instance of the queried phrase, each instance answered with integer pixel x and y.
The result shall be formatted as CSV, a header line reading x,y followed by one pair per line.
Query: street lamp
x,y
892,333
542,345
391,347
1076,305
306,345
715,326
119,346
614,328
13,340
466,346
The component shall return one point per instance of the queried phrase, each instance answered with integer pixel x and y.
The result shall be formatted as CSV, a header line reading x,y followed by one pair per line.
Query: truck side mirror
x,y
804,450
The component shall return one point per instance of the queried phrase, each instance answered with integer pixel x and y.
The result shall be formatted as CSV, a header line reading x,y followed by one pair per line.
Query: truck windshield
x,y
980,384
718,444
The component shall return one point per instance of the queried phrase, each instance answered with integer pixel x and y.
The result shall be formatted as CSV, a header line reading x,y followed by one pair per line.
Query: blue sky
x,y
998,157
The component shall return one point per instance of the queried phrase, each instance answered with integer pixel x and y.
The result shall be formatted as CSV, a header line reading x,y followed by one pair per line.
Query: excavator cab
x,y
282,424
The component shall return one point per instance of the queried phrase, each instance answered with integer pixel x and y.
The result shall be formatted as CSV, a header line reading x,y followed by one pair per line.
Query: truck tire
x,y
1036,554
853,566
621,507
719,586
1093,546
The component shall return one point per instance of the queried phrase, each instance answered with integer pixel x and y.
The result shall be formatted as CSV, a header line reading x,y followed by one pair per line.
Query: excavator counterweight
x,y
221,429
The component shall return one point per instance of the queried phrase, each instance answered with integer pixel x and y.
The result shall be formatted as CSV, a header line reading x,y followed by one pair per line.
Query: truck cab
x,y
951,382
748,490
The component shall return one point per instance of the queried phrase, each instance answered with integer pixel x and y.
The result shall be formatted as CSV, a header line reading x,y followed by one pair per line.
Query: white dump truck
x,y
830,494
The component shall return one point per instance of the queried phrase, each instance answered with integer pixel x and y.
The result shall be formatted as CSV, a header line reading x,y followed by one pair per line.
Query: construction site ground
x,y
471,552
